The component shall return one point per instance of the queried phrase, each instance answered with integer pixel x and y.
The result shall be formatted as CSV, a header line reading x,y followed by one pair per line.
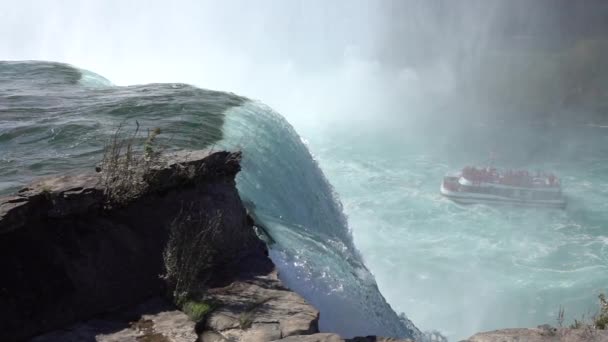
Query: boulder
x,y
258,308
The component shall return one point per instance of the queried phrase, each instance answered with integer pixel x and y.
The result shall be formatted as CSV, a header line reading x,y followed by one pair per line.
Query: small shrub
x,y
189,252
196,310
124,166
598,321
601,320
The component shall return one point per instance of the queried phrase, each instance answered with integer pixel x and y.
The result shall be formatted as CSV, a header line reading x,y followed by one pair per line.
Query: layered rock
x,y
250,304
259,309
65,257
542,334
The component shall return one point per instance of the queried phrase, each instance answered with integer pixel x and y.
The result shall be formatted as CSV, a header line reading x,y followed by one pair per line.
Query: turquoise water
x,y
464,269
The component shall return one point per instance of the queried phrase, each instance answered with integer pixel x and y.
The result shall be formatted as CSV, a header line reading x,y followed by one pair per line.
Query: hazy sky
x,y
299,56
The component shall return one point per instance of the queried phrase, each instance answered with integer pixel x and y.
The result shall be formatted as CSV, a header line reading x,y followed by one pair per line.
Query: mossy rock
x,y
197,310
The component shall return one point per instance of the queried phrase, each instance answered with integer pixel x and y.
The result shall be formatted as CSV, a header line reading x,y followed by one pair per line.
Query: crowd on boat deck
x,y
521,178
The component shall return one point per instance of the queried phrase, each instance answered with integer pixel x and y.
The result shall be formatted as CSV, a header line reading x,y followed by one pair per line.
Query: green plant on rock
x,y
598,321
124,165
601,320
197,310
188,256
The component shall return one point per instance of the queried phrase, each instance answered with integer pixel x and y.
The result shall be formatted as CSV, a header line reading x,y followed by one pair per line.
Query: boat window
x,y
546,195
555,195
539,195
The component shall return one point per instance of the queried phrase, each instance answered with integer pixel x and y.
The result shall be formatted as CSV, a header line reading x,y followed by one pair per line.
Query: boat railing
x,y
519,178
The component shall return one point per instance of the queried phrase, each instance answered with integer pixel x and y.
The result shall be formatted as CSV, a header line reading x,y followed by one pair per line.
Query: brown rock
x,y
211,336
542,334
260,309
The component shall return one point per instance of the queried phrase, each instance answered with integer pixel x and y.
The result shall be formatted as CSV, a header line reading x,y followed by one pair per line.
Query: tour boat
x,y
491,186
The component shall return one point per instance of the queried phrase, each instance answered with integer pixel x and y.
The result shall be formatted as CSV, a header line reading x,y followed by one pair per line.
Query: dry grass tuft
x,y
190,251
597,321
125,165
601,320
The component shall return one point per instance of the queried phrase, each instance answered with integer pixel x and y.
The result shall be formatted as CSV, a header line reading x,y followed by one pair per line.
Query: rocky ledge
x,y
250,308
76,269
544,333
